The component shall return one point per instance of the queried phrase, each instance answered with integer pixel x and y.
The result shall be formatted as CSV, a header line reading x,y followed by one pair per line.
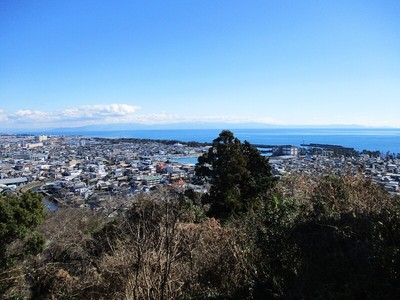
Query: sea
x,y
374,139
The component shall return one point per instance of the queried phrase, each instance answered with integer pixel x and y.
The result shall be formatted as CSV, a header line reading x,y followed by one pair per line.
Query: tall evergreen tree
x,y
238,175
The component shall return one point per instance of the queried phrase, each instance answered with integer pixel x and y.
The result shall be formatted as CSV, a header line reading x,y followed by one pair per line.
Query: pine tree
x,y
238,175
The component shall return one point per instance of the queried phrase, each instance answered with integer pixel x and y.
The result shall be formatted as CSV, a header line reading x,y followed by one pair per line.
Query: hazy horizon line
x,y
192,126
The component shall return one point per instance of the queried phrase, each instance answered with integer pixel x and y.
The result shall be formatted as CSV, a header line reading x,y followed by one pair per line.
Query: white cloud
x,y
123,113
99,111
28,115
106,114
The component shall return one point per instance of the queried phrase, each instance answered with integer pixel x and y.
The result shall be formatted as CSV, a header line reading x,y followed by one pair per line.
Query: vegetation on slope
x,y
19,239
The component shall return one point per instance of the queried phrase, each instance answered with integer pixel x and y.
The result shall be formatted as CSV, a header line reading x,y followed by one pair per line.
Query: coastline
x,y
381,139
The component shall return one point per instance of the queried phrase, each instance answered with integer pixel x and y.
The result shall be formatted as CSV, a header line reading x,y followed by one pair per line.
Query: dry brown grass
x,y
149,254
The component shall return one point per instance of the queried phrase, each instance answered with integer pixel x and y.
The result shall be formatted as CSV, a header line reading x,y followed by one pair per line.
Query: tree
x,y
238,175
19,218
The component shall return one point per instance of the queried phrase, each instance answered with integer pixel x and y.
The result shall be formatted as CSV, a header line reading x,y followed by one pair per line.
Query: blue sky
x,y
74,63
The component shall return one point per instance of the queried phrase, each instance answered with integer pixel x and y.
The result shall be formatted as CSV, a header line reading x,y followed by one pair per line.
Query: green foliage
x,y
19,218
371,153
34,243
342,241
19,239
238,175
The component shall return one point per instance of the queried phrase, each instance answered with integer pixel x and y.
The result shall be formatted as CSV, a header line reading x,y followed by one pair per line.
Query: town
x,y
105,174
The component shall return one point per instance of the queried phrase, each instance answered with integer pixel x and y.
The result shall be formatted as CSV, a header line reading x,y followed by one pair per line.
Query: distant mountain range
x,y
171,126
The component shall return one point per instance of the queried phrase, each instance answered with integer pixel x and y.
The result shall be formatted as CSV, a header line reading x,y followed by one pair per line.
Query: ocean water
x,y
361,138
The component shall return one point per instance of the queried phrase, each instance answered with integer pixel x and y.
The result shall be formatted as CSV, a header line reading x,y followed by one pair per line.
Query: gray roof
x,y
17,180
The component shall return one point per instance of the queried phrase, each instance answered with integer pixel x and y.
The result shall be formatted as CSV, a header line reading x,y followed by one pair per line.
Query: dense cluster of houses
x,y
101,173
385,172
105,173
